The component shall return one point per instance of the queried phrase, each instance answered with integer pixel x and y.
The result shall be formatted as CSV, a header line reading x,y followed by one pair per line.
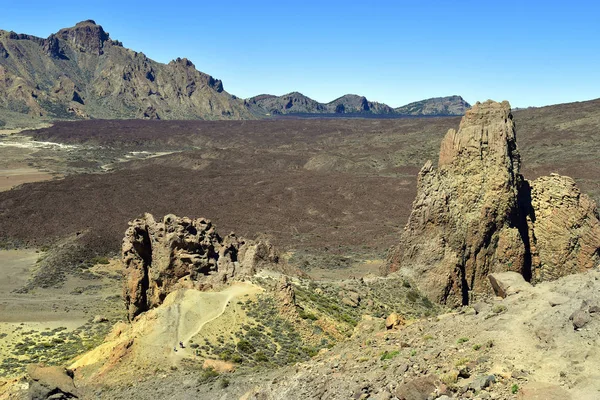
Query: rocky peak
x,y
86,36
486,135
476,215
183,62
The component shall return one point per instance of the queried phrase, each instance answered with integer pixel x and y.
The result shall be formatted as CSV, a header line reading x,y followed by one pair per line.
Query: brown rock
x,y
466,210
542,391
49,381
565,228
393,320
416,389
286,294
476,215
507,283
580,318
161,256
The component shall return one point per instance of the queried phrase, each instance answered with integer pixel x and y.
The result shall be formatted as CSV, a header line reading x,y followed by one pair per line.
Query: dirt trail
x,y
156,334
196,309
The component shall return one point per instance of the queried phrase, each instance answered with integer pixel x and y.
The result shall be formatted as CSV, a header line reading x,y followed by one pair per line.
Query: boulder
x,y
50,383
393,320
542,391
416,389
580,318
286,295
508,283
162,256
482,382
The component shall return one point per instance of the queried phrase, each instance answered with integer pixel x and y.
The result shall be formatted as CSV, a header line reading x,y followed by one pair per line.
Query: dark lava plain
x,y
327,187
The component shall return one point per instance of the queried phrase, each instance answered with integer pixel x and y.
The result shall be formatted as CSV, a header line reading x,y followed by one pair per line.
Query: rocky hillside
x,y
297,103
475,215
451,105
352,103
80,72
291,103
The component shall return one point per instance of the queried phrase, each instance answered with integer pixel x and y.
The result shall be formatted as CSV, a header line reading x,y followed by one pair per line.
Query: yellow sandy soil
x,y
153,337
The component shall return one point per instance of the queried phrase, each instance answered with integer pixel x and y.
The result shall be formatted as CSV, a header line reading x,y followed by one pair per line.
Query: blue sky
x,y
531,53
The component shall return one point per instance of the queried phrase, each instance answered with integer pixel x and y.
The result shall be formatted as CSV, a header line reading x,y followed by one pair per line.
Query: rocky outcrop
x,y
162,256
86,37
564,226
465,219
475,215
51,382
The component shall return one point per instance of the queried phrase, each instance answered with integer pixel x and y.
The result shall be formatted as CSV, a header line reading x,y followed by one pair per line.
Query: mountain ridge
x,y
82,73
298,103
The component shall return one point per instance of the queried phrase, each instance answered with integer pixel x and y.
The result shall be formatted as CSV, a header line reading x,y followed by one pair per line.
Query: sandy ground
x,y
9,178
152,340
357,270
29,314
15,156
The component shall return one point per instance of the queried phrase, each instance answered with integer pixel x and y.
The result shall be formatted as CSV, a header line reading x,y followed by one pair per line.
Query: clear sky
x,y
531,53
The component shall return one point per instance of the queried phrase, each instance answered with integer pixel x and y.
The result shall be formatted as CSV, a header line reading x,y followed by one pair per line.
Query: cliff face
x,y
80,72
475,215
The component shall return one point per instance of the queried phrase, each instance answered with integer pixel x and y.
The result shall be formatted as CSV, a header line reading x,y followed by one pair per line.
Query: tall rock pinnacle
x,y
474,215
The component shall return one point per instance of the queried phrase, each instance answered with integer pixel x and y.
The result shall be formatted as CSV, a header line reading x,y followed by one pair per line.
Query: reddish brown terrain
x,y
332,188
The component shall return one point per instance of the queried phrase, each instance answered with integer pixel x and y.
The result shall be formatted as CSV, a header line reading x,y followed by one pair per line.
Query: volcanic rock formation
x,y
162,256
476,215
80,72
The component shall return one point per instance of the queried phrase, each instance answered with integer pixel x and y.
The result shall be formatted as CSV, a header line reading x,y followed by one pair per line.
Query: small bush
x,y
514,388
476,347
389,355
224,383
208,375
307,315
462,340
100,260
499,308
245,347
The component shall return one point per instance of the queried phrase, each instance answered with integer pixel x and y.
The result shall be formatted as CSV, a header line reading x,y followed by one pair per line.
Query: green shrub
x,y
245,347
207,375
307,315
499,308
389,355
462,340
100,260
260,357
514,388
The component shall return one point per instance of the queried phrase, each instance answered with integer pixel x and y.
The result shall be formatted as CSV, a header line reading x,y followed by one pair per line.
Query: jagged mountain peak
x,y
80,72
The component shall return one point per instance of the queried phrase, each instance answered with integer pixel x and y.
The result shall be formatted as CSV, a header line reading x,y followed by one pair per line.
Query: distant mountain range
x,y
80,72
297,103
